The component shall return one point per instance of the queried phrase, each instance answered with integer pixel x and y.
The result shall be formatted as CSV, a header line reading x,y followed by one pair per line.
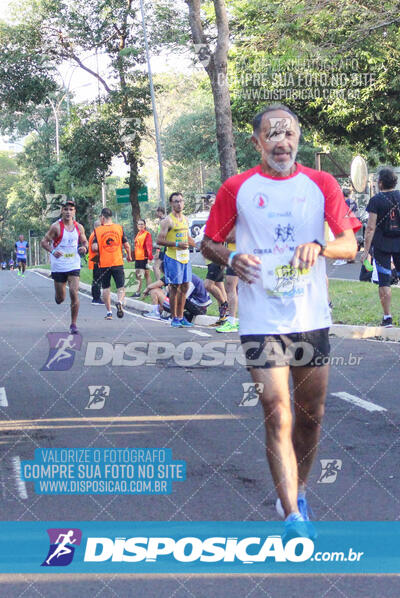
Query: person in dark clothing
x,y
383,232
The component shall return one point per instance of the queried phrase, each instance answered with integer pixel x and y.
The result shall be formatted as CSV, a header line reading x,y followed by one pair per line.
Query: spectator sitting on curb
x,y
197,299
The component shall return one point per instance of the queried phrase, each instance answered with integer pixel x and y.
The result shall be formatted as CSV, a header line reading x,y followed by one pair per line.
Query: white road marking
x,y
21,486
198,332
3,397
345,396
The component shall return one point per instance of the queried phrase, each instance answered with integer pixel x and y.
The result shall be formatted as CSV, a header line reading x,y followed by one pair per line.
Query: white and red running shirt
x,y
273,216
67,243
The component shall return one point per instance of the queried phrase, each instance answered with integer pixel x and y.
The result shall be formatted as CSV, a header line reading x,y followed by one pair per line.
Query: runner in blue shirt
x,y
20,248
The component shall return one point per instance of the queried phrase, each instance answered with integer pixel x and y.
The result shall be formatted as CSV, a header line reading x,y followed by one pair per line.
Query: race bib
x,y
283,280
182,255
69,255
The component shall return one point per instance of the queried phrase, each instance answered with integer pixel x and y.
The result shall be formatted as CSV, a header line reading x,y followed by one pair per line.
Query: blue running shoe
x,y
294,527
176,323
305,512
185,323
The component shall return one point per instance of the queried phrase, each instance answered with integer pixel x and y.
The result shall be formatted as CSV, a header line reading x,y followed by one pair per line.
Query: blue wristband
x,y
176,243
231,256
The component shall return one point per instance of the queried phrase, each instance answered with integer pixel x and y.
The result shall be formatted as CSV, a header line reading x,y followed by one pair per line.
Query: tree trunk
x,y
216,69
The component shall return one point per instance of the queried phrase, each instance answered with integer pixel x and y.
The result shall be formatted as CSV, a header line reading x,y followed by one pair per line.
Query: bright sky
x,y
85,87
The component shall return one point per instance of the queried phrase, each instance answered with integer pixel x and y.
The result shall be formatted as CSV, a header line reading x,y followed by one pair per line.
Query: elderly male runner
x,y
279,208
66,242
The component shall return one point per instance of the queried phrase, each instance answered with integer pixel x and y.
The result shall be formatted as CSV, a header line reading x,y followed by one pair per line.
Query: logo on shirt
x,y
111,242
284,233
260,200
61,550
61,351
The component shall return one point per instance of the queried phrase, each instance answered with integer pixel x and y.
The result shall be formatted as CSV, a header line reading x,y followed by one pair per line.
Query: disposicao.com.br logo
x,y
191,549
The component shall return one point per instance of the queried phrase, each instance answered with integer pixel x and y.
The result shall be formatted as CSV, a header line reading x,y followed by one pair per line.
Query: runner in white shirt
x,y
279,208
66,242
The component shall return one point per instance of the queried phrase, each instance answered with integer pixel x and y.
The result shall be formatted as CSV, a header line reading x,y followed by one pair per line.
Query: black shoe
x,y
120,311
135,295
387,323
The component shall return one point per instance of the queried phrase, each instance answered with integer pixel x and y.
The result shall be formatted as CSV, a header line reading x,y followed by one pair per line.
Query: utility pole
x,y
153,103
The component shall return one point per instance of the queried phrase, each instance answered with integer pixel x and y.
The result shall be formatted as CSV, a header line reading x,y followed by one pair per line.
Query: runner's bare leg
x,y
73,284
310,386
278,426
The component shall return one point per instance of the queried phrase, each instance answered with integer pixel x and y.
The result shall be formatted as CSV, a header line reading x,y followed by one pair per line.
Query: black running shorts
x,y
63,276
307,349
215,272
117,272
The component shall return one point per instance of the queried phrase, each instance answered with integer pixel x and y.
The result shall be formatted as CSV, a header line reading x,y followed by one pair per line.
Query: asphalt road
x,y
195,410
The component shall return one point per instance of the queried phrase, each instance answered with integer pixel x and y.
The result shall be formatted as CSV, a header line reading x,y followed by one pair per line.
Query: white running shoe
x,y
152,315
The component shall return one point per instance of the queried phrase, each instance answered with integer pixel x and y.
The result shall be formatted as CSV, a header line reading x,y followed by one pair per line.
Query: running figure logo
x,y
61,351
330,470
251,393
284,233
62,546
98,396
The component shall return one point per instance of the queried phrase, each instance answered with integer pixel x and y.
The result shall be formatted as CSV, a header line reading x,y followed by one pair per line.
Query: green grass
x,y
353,302
358,303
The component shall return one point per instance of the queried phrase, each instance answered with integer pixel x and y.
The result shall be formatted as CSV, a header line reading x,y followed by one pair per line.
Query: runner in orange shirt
x,y
108,240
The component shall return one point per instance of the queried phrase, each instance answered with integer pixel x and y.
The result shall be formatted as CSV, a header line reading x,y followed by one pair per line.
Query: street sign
x,y
143,194
123,195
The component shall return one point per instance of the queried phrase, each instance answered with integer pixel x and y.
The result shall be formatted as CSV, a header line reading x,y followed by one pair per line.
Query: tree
x,y
70,31
342,76
215,64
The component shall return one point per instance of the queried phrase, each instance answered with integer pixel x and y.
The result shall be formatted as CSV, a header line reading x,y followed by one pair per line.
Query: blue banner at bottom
x,y
197,547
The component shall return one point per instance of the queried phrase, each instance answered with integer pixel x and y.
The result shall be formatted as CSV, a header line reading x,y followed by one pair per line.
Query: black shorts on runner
x,y
63,276
230,271
307,349
141,264
21,260
215,272
383,266
117,272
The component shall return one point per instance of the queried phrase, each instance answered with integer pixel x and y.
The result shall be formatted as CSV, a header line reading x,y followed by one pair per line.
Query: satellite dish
x,y
359,174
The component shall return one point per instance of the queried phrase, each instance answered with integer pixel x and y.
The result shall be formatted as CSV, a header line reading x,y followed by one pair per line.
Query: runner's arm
x,y
369,234
149,247
83,241
162,235
127,248
95,245
344,246
246,266
47,241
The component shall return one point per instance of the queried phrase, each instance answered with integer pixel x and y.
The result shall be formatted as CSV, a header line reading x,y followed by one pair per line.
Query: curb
x,y
339,330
